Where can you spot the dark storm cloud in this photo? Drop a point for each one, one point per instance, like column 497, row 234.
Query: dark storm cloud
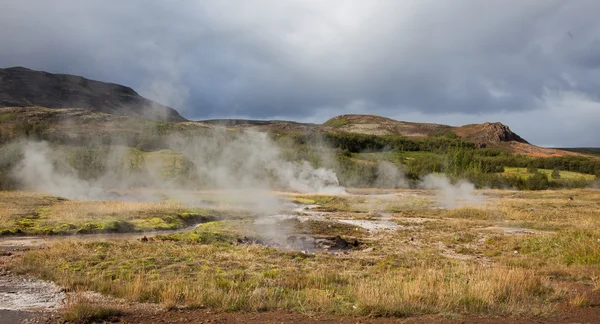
column 305, row 59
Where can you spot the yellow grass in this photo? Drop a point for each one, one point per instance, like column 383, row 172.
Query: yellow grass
column 37, row 214
column 254, row 278
column 518, row 253
column 19, row 203
column 82, row 211
column 522, row 172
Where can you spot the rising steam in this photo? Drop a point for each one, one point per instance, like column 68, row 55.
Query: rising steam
column 245, row 163
column 451, row 195
column 390, row 176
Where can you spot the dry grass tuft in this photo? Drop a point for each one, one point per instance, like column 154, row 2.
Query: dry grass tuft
column 252, row 278
column 83, row 211
column 80, row 309
column 580, row 301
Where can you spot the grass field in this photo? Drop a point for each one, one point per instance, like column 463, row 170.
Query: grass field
column 27, row 213
column 522, row 172
column 516, row 253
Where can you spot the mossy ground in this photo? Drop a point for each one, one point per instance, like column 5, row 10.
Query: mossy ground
column 25, row 213
column 438, row 261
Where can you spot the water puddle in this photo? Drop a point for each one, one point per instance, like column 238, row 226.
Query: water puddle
column 17, row 243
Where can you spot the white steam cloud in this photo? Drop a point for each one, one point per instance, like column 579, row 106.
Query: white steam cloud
column 390, row 176
column 246, row 165
column 37, row 171
column 451, row 195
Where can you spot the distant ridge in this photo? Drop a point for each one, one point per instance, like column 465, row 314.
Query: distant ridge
column 250, row 122
column 22, row 87
column 583, row 150
column 486, row 133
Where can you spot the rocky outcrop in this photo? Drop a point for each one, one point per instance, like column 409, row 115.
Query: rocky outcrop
column 480, row 134
column 488, row 133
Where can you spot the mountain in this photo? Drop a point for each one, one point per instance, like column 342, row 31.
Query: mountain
column 583, row 150
column 486, row 133
column 69, row 103
column 22, row 87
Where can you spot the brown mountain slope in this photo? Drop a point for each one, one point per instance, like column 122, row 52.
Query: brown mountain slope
column 376, row 125
column 21, row 87
column 487, row 134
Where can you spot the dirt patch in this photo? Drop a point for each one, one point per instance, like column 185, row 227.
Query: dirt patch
column 24, row 300
column 23, row 294
column 371, row 225
column 516, row 230
column 322, row 243
column 589, row 315
column 13, row 317
column 8, row 244
column 308, row 243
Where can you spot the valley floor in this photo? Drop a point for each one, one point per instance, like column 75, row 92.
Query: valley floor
column 380, row 256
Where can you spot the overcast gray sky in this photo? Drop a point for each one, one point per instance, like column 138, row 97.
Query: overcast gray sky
column 533, row 65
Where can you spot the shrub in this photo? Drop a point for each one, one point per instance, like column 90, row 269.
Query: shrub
column 531, row 168
column 538, row 181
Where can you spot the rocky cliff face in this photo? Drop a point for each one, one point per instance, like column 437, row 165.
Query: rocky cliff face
column 21, row 87
column 488, row 133
column 501, row 133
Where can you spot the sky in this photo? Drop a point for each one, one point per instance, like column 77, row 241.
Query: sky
column 533, row 65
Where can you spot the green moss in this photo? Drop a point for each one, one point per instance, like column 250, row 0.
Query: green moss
column 6, row 116
column 118, row 226
column 10, row 231
column 328, row 228
column 271, row 274
column 88, row 228
column 73, row 266
column 204, row 237
column 41, row 223
column 209, row 233
column 155, row 223
column 27, row 223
